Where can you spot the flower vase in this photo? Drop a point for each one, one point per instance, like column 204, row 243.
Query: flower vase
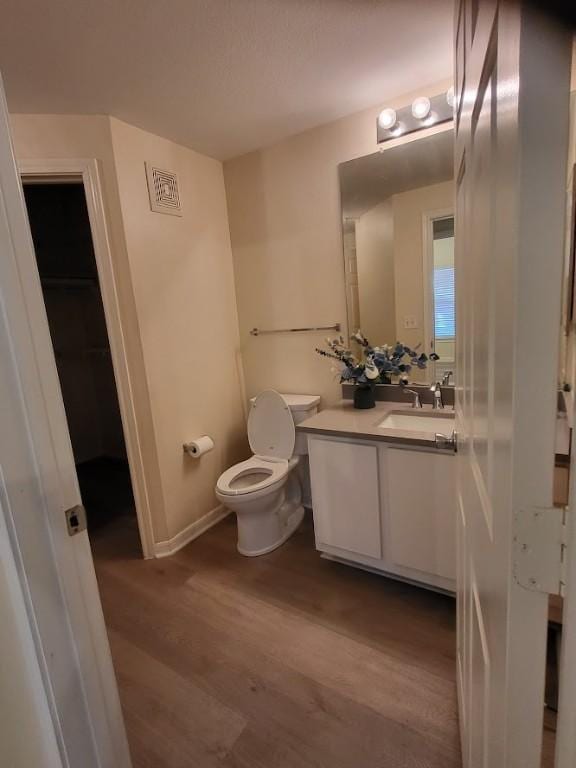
column 364, row 397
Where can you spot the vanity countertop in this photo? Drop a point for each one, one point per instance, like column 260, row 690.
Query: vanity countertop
column 343, row 420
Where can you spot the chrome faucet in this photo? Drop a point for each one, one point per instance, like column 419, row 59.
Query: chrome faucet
column 416, row 402
column 446, row 378
column 438, row 402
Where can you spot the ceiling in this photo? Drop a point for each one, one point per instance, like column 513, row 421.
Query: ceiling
column 221, row 76
column 369, row 180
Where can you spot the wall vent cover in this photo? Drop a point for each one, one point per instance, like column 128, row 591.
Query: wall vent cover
column 163, row 191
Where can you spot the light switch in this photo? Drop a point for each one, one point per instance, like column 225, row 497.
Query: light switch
column 410, row 322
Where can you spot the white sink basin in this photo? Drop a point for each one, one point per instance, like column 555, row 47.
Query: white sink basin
column 419, row 422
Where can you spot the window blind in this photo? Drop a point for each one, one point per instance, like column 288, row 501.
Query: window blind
column 444, row 312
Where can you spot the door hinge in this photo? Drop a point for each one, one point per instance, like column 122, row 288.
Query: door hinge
column 539, row 549
column 76, row 519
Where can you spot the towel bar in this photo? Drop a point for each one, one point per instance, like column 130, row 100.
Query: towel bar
column 259, row 332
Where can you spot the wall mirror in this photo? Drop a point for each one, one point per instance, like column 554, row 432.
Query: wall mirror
column 398, row 237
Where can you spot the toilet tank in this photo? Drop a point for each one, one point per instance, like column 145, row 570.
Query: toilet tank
column 302, row 407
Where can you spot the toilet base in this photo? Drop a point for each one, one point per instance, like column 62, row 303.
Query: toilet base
column 292, row 523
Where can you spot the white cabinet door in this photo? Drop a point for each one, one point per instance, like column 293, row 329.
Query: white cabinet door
column 420, row 493
column 345, row 496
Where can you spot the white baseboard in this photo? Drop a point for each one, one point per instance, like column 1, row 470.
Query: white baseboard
column 191, row 532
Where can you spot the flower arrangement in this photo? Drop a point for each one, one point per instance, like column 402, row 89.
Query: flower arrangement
column 376, row 365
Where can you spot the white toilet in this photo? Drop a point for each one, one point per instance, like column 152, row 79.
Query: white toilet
column 265, row 491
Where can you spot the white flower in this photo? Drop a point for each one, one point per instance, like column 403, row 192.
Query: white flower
column 371, row 372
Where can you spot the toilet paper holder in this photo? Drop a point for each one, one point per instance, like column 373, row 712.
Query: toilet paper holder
column 199, row 446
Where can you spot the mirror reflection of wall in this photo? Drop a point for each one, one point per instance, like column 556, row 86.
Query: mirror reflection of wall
column 398, row 238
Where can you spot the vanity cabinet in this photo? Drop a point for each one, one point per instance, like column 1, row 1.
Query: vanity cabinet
column 387, row 508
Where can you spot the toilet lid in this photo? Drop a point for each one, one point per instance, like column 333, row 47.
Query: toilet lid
column 271, row 430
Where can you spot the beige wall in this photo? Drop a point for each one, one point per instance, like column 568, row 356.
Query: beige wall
column 286, row 229
column 84, row 137
column 185, row 301
column 351, row 273
column 175, row 282
column 375, row 259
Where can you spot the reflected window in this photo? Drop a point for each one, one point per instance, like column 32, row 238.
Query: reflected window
column 443, row 298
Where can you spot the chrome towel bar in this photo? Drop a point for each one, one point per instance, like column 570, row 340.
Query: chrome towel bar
column 259, row 332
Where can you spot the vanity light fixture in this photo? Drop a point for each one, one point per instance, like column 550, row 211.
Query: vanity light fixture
column 421, row 108
column 387, row 119
column 422, row 113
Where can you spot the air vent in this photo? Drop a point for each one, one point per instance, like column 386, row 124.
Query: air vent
column 163, row 191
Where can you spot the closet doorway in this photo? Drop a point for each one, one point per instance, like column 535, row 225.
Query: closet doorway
column 68, row 270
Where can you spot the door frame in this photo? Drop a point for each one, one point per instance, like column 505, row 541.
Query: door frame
column 87, row 172
column 428, row 217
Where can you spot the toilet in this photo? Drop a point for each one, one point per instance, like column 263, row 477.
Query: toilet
column 265, row 491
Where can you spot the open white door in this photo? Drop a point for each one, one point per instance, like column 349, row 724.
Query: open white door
column 512, row 96
column 37, row 484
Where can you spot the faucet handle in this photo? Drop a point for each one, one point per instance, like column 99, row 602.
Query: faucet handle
column 416, row 403
column 438, row 402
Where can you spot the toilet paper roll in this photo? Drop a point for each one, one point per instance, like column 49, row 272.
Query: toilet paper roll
column 199, row 447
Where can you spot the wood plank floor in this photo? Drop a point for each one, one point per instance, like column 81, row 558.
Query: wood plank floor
column 281, row 661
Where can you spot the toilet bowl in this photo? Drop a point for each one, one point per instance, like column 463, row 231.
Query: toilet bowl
column 264, row 491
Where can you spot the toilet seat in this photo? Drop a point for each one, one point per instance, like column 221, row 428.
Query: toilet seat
column 271, row 430
column 271, row 434
column 275, row 471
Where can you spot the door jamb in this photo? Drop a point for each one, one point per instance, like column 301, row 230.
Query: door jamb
column 87, row 171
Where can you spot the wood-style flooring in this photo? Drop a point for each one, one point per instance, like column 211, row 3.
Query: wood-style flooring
column 280, row 661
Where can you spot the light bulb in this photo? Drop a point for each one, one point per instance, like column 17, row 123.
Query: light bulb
column 430, row 120
column 450, row 96
column 387, row 119
column 397, row 130
column 421, row 107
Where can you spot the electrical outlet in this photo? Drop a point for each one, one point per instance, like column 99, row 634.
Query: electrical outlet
column 410, row 322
